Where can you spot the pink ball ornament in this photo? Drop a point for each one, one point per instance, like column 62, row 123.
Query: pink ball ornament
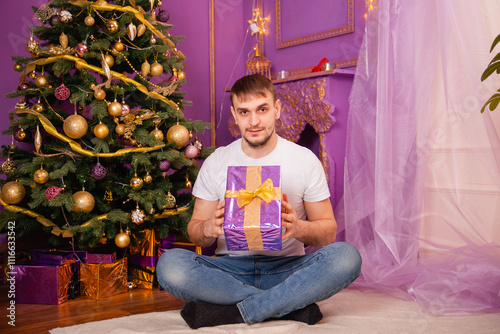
column 98, row 172
column 164, row 165
column 125, row 109
column 62, row 92
column 52, row 192
column 192, row 152
column 81, row 49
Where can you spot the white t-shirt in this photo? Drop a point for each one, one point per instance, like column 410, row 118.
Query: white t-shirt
column 302, row 179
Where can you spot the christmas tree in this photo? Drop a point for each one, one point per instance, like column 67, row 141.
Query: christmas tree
column 101, row 148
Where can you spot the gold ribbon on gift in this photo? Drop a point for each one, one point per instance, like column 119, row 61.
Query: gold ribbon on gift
column 83, row 64
column 265, row 191
column 251, row 200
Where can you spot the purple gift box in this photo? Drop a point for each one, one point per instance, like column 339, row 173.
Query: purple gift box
column 101, row 258
column 252, row 219
column 46, row 256
column 174, row 241
column 44, row 284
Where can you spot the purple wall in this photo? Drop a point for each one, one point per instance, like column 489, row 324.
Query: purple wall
column 15, row 27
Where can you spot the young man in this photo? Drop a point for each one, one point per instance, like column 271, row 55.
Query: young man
column 252, row 286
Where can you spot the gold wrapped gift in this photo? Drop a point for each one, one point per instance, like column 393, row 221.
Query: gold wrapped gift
column 143, row 258
column 102, row 279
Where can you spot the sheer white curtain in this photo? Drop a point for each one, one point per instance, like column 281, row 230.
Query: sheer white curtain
column 422, row 181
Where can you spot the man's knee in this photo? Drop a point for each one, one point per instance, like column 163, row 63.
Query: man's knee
column 345, row 256
column 171, row 267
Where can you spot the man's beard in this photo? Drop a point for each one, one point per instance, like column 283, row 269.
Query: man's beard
column 261, row 143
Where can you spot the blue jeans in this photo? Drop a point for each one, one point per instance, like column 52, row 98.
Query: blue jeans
column 262, row 287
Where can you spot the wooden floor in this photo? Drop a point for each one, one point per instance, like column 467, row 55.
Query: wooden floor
column 35, row 318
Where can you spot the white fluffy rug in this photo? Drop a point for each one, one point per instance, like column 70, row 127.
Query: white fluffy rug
column 350, row 311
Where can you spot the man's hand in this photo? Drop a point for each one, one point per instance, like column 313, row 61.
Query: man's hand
column 213, row 227
column 318, row 230
column 294, row 227
column 206, row 222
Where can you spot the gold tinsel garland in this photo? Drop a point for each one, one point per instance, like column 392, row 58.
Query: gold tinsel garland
column 67, row 233
column 50, row 128
column 83, row 64
column 127, row 9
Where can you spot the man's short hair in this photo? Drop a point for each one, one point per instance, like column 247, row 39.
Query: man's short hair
column 252, row 85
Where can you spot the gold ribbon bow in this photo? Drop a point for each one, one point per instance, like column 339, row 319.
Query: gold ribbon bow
column 265, row 191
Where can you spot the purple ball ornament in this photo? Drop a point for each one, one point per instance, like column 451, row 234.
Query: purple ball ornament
column 163, row 16
column 98, row 172
column 54, row 19
column 163, row 165
column 192, row 152
column 52, row 192
column 23, row 86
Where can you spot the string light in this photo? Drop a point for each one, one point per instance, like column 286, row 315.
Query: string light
column 369, row 6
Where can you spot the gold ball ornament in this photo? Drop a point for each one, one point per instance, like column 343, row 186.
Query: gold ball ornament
column 21, row 135
column 84, row 201
column 119, row 46
column 75, row 126
column 170, row 201
column 113, row 26
column 18, row 67
column 179, row 135
column 152, row 39
column 100, row 94
column 42, row 81
column 13, row 192
column 122, row 239
column 101, row 130
column 157, row 134
column 38, row 107
column 147, row 178
column 92, row 86
column 188, row 184
column 41, row 176
column 159, row 4
column 156, row 69
column 33, row 75
column 8, row 166
column 181, row 75
column 109, row 60
column 120, row 129
column 136, row 183
column 115, row 108
column 89, row 20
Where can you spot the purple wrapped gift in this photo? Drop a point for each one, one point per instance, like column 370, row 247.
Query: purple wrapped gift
column 101, row 258
column 43, row 284
column 174, row 241
column 252, row 219
column 56, row 257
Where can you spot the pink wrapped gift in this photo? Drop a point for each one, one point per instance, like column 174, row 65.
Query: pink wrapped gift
column 252, row 219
